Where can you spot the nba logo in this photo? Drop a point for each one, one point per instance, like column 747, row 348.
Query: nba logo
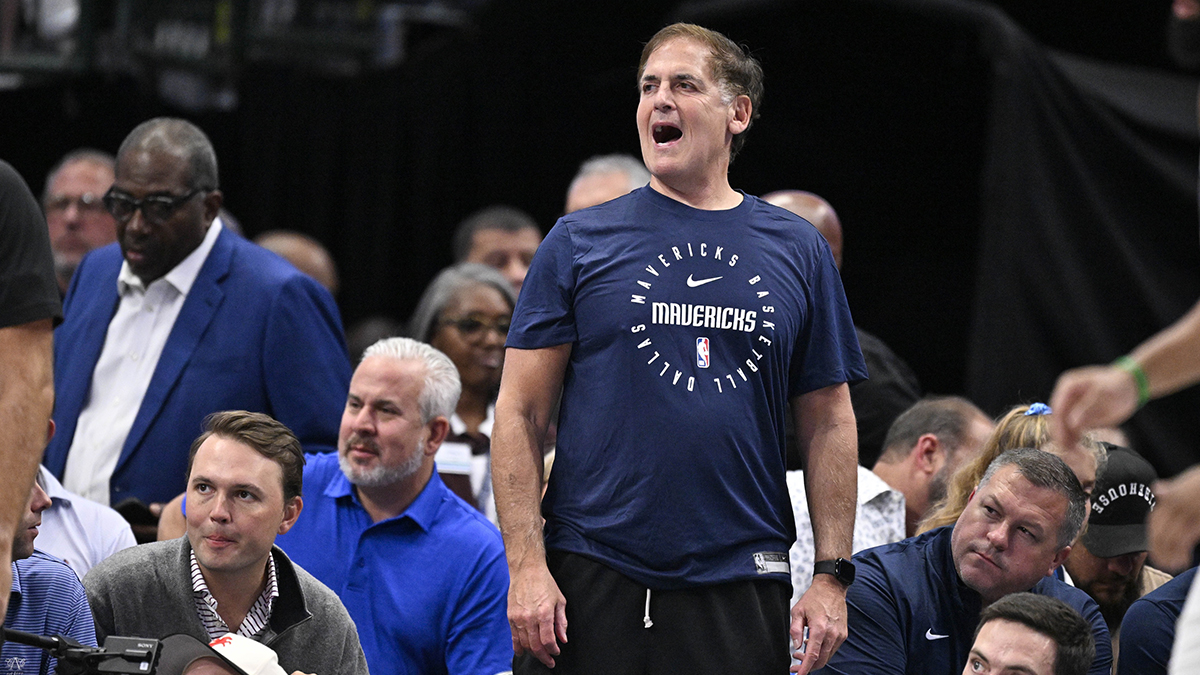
column 702, row 359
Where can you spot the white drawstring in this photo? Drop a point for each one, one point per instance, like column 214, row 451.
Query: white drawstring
column 646, row 619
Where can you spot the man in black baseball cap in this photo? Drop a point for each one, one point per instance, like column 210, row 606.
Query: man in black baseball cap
column 1108, row 561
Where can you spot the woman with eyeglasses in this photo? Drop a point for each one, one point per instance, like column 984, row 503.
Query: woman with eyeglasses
column 465, row 312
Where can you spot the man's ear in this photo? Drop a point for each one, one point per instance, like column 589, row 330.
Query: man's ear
column 212, row 204
column 49, row 431
column 291, row 511
column 742, row 110
column 1059, row 558
column 928, row 454
column 439, row 429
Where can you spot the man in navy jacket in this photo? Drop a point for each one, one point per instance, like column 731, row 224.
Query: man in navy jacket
column 181, row 318
column 914, row 605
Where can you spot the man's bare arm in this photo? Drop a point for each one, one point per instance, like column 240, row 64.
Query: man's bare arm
column 528, row 390
column 829, row 441
column 26, row 401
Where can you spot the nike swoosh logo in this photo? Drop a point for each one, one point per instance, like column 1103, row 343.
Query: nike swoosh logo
column 694, row 283
column 930, row 635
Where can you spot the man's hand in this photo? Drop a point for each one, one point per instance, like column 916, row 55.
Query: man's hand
column 1090, row 397
column 537, row 614
column 821, row 612
column 1174, row 524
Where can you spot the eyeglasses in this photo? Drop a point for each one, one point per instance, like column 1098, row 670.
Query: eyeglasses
column 472, row 327
column 156, row 209
column 87, row 202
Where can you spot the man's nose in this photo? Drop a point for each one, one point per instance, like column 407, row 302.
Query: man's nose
column 515, row 272
column 362, row 420
column 71, row 215
column 998, row 537
column 1121, row 564
column 662, row 96
column 40, row 501
column 137, row 224
column 220, row 509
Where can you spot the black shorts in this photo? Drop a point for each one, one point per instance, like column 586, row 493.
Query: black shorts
column 735, row 627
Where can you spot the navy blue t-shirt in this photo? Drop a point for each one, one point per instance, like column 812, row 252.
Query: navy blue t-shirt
column 690, row 330
column 1148, row 629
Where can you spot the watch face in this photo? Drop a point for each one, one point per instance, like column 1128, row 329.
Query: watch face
column 841, row 569
column 844, row 571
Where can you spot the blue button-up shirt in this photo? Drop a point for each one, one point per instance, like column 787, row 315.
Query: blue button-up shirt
column 427, row 589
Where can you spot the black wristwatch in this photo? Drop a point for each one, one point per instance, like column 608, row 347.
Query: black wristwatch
column 841, row 569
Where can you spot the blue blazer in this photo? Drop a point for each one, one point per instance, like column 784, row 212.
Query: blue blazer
column 253, row 334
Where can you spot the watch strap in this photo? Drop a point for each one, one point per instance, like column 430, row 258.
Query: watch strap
column 841, row 569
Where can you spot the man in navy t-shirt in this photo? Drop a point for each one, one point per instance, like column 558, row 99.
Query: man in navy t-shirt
column 917, row 601
column 679, row 321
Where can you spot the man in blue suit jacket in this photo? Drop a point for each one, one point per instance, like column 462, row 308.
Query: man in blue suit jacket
column 181, row 318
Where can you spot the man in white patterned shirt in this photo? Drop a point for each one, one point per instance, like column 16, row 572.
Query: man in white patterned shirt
column 226, row 576
column 923, row 447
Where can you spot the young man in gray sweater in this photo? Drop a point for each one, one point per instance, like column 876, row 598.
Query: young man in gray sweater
column 226, row 576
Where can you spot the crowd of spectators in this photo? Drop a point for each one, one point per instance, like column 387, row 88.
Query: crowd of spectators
column 223, row 463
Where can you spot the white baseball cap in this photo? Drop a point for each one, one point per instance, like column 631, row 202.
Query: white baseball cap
column 250, row 656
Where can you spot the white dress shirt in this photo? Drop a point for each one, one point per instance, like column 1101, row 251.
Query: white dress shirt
column 78, row 530
column 134, row 341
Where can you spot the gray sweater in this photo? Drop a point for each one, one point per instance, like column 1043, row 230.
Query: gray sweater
column 146, row 591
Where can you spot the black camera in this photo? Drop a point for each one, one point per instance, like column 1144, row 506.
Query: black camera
column 131, row 655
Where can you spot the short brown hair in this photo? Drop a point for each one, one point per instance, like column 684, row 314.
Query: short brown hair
column 738, row 73
column 265, row 434
column 1075, row 645
column 947, row 417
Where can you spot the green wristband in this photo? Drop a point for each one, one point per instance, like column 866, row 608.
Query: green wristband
column 1143, row 383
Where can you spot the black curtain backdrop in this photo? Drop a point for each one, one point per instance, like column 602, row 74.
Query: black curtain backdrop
column 1089, row 236
column 1009, row 211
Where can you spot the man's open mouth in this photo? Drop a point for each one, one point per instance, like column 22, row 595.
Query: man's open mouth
column 665, row 133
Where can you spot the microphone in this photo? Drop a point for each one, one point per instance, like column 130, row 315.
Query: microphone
column 50, row 644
